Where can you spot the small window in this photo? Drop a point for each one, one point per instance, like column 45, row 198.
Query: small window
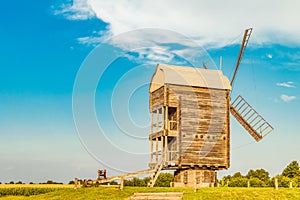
column 172, row 117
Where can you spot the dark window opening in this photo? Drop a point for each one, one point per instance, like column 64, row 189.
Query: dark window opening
column 172, row 118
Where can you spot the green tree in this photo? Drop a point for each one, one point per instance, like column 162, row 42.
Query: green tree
column 49, row 182
column 225, row 180
column 255, row 182
column 237, row 175
column 164, row 180
column 238, row 182
column 261, row 174
column 283, row 181
column 291, row 170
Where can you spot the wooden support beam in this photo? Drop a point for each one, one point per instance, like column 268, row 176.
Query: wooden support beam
column 151, row 149
column 122, row 183
column 152, row 121
column 166, row 149
column 162, row 146
column 157, row 115
column 156, row 148
column 166, row 119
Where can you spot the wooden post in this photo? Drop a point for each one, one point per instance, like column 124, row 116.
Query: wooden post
column 195, row 181
column 276, row 183
column 161, row 147
column 151, row 149
column 157, row 115
column 179, row 131
column 156, row 140
column 291, row 184
column 99, row 174
column 166, row 149
column 152, row 121
column 166, row 119
column 248, row 184
column 163, row 118
column 122, row 183
column 76, row 182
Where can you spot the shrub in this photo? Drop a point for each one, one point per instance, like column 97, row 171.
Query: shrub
column 255, row 182
column 164, row 180
column 283, row 181
column 238, row 182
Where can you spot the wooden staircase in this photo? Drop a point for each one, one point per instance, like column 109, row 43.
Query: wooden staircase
column 157, row 169
column 255, row 124
column 157, row 196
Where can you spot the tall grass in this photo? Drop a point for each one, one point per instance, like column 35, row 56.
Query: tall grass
column 29, row 189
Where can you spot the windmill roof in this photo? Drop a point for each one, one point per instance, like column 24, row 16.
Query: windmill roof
column 188, row 76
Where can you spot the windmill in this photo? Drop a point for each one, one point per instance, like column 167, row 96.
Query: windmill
column 190, row 122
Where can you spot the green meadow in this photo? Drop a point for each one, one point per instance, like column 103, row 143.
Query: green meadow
column 43, row 192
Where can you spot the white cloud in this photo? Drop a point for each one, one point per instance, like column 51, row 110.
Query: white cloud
column 210, row 23
column 287, row 98
column 76, row 10
column 289, row 84
column 207, row 21
column 270, row 56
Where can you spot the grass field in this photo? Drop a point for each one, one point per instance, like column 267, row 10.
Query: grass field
column 112, row 193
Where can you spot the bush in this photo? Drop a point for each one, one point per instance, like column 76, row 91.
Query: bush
column 137, row 182
column 283, row 181
column 296, row 181
column 71, row 182
column 238, row 182
column 225, row 181
column 164, row 180
column 255, row 182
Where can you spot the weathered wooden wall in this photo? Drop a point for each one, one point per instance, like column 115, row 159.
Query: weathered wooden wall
column 204, row 120
column 204, row 136
column 156, row 99
column 194, row 178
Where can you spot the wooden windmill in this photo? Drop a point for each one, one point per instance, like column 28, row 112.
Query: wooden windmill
column 190, row 131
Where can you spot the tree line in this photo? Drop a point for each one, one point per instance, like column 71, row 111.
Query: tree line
column 256, row 178
column 261, row 178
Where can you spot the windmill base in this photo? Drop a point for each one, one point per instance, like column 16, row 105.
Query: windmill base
column 194, row 178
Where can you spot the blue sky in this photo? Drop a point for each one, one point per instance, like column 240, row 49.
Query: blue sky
column 44, row 45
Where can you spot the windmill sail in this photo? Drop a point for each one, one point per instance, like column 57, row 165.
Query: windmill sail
column 255, row 124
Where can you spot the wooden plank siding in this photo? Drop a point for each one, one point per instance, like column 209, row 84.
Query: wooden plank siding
column 204, row 125
column 204, row 135
column 156, row 99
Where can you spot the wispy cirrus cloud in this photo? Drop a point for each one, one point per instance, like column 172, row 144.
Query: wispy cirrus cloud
column 287, row 98
column 288, row 84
